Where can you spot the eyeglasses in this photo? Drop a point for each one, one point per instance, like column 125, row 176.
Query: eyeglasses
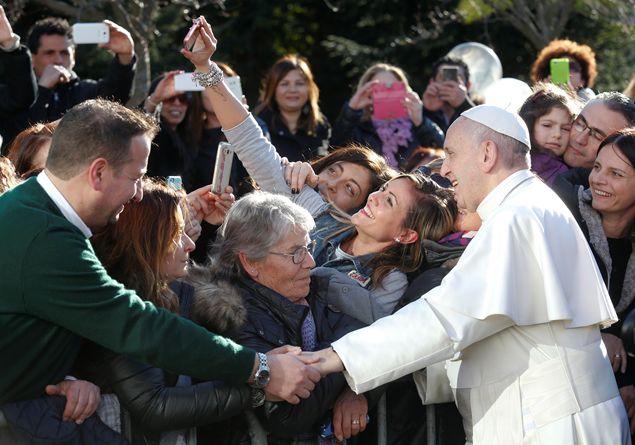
column 580, row 125
column 299, row 254
column 183, row 98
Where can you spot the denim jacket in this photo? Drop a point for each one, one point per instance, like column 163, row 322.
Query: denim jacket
column 326, row 246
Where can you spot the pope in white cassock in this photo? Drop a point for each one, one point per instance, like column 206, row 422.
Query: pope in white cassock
column 518, row 318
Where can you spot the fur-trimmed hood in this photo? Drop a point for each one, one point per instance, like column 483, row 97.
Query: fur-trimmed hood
column 218, row 305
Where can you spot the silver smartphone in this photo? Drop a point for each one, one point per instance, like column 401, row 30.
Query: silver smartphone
column 222, row 167
column 184, row 82
column 91, row 33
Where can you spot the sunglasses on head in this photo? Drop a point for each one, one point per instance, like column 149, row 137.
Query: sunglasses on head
column 441, row 181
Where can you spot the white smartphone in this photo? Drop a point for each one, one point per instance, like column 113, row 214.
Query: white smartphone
column 233, row 83
column 91, row 33
column 222, row 167
column 184, row 82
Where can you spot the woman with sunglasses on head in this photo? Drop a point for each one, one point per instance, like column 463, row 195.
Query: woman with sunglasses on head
column 376, row 246
column 176, row 145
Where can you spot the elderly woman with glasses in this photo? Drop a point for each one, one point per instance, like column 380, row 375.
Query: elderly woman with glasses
column 265, row 250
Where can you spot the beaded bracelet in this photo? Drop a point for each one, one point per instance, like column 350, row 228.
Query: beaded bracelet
column 207, row 80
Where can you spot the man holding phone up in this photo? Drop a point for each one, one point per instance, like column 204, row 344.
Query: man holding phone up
column 446, row 96
column 59, row 87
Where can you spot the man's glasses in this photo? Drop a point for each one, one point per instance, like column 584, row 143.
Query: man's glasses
column 580, row 125
column 299, row 254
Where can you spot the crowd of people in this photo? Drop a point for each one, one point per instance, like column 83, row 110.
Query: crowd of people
column 433, row 251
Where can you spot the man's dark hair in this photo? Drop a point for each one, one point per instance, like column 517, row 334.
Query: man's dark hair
column 94, row 129
column 451, row 61
column 619, row 103
column 46, row 27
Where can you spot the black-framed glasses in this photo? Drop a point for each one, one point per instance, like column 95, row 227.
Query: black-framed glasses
column 581, row 125
column 299, row 254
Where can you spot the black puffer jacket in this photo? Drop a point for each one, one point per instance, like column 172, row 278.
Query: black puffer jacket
column 148, row 393
column 273, row 321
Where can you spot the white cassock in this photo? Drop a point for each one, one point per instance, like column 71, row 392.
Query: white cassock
column 519, row 316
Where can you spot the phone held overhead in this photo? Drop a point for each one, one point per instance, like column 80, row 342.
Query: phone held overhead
column 85, row 33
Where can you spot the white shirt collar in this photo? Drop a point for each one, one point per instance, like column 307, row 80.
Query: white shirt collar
column 69, row 213
column 494, row 198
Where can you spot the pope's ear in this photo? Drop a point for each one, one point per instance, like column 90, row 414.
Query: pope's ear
column 96, row 172
column 488, row 156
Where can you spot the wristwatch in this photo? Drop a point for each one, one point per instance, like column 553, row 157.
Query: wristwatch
column 262, row 376
column 257, row 397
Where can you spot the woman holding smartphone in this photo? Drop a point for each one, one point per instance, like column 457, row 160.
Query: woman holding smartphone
column 360, row 122
column 380, row 243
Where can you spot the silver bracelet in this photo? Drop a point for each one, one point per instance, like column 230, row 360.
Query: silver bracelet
column 210, row 79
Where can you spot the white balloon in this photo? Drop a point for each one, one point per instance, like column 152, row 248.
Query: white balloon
column 507, row 93
column 485, row 66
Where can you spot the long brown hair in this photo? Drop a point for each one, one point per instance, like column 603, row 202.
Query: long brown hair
column 431, row 215
column 26, row 145
column 133, row 249
column 380, row 171
column 308, row 121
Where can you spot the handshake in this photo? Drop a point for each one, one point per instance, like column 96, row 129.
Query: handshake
column 293, row 373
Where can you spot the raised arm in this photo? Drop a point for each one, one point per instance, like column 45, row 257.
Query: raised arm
column 259, row 157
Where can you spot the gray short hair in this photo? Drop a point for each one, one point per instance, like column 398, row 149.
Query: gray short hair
column 514, row 152
column 253, row 225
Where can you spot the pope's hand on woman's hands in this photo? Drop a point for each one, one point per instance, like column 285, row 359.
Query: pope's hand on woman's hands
column 299, row 174
column 615, row 351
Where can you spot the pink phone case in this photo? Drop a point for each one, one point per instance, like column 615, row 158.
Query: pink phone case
column 387, row 101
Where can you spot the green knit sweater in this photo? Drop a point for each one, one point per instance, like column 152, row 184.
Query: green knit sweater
column 54, row 291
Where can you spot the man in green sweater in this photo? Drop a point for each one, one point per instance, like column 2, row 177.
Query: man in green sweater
column 54, row 291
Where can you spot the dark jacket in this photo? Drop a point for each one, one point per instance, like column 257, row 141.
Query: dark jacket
column 349, row 128
column 18, row 86
column 149, row 394
column 438, row 117
column 273, row 321
column 578, row 200
column 301, row 146
column 51, row 104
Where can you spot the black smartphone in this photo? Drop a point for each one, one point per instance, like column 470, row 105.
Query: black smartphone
column 450, row 73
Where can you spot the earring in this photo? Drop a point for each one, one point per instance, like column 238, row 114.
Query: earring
column 397, row 240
